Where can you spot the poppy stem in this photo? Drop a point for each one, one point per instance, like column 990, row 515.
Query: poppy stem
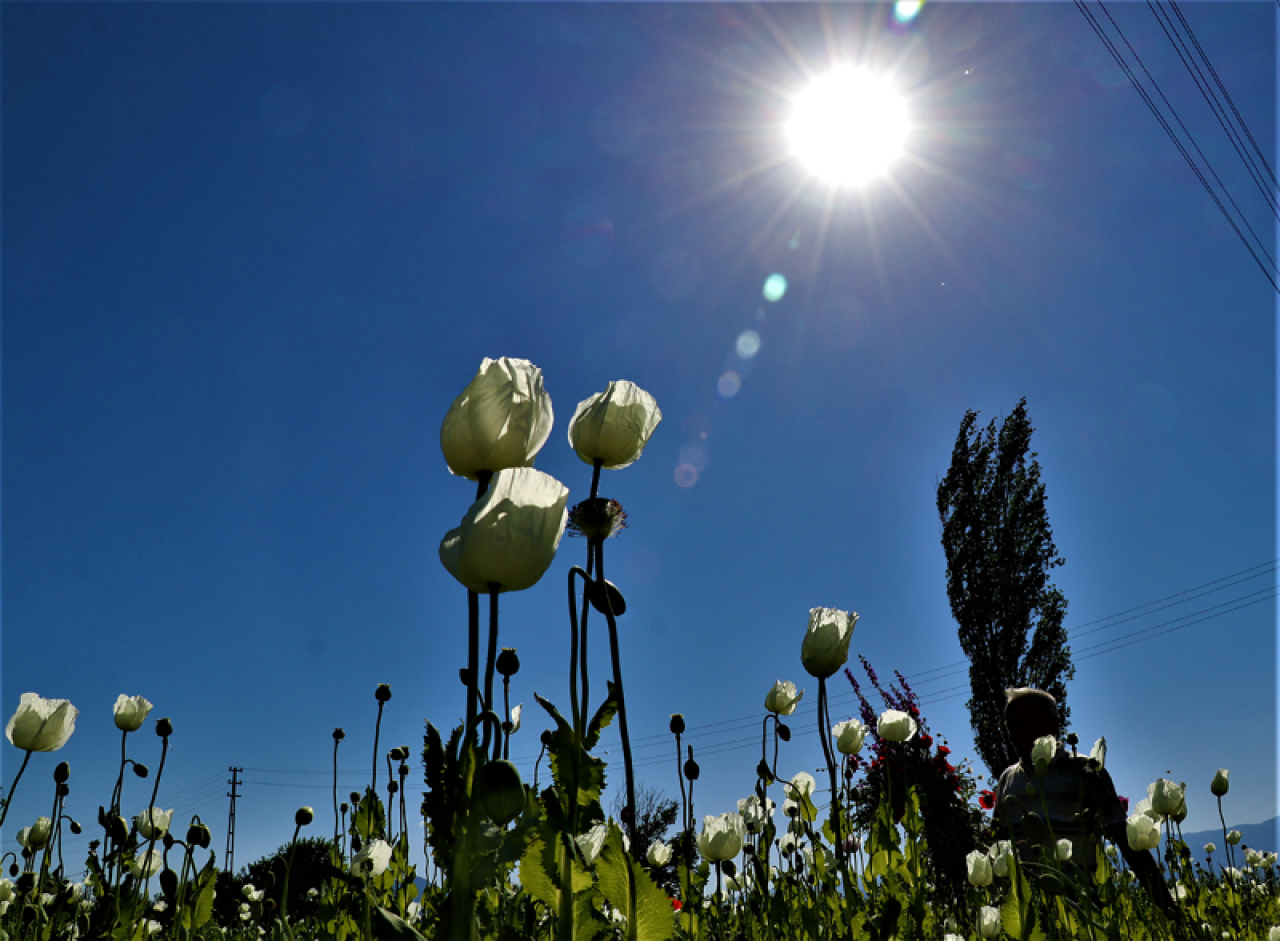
column 473, row 659
column 506, row 711
column 595, row 476
column 492, row 657
column 573, row 651
column 617, row 686
column 8, row 798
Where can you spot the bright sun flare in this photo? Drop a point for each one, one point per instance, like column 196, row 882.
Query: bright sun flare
column 848, row 126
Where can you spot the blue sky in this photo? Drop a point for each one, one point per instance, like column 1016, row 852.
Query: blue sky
column 252, row 252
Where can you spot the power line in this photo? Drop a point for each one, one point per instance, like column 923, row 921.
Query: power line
column 1223, row 89
column 1142, row 92
column 1219, row 111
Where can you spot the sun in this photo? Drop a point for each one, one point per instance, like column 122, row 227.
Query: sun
column 848, row 126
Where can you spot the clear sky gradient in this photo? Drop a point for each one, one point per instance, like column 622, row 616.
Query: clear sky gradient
column 252, row 252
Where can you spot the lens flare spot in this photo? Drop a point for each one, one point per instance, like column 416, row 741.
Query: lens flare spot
column 686, row 475
column 728, row 385
column 748, row 344
column 696, row 454
column 904, row 11
column 774, row 287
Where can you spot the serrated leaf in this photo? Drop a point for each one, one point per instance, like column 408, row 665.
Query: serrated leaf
column 590, row 921
column 391, row 927
column 603, row 717
column 537, row 881
column 526, row 829
column 1010, row 917
column 627, row 887
column 201, row 907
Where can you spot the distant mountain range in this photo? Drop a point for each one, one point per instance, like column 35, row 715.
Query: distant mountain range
column 1264, row 837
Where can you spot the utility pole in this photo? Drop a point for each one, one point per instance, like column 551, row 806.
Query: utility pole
column 229, row 866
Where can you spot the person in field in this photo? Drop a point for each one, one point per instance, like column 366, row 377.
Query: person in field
column 1073, row 798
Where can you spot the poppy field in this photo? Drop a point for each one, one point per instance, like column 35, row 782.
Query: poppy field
column 895, row 842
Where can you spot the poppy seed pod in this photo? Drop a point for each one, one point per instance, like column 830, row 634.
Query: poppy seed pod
column 339, row 735
column 62, row 772
column 382, row 693
column 304, row 816
column 677, row 723
column 508, row 664
column 164, row 728
column 501, row 420
column 344, row 807
column 597, row 518
column 354, row 797
column 691, row 770
column 500, row 791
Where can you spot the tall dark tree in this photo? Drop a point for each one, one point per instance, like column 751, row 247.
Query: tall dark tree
column 999, row 548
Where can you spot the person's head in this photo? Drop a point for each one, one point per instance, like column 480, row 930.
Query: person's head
column 1028, row 715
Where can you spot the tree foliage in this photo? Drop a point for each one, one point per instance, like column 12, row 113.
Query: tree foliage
column 655, row 815
column 999, row 549
column 312, row 868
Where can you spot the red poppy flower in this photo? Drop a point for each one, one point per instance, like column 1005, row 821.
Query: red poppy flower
column 675, row 904
column 943, row 750
column 986, row 799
